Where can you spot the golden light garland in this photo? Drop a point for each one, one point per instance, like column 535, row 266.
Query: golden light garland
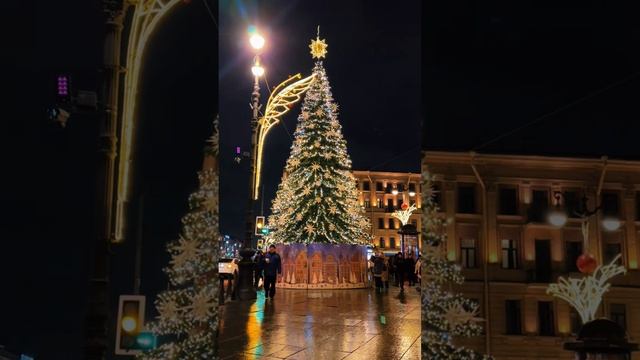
column 585, row 294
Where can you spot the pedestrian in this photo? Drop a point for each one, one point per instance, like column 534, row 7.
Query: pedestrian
column 400, row 270
column 385, row 273
column 378, row 269
column 418, row 272
column 410, row 266
column 258, row 270
column 272, row 268
column 392, row 269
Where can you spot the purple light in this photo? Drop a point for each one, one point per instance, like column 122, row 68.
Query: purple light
column 237, row 149
column 63, row 88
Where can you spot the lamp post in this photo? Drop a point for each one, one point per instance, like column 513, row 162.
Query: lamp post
column 558, row 218
column 246, row 265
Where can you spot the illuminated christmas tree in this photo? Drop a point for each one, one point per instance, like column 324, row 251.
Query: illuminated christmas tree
column 317, row 200
column 188, row 316
column 445, row 314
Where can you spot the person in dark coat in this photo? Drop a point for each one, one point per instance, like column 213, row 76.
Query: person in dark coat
column 410, row 265
column 272, row 268
column 401, row 269
column 258, row 259
column 378, row 269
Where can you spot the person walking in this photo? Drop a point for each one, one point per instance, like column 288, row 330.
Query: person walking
column 378, row 269
column 400, row 270
column 272, row 268
column 392, row 269
column 418, row 272
column 385, row 273
column 410, row 268
column 258, row 259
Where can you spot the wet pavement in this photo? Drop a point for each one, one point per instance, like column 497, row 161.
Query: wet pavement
column 323, row 324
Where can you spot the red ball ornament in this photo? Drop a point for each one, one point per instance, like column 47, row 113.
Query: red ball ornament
column 404, row 206
column 587, row 264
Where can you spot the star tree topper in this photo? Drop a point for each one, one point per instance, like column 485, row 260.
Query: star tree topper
column 318, row 47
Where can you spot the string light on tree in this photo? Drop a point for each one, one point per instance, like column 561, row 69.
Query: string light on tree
column 187, row 311
column 445, row 314
column 317, row 200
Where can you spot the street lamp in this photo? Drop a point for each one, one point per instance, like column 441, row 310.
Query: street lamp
column 558, row 216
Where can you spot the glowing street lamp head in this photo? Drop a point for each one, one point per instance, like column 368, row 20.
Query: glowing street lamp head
column 557, row 218
column 257, row 41
column 611, row 224
column 257, row 70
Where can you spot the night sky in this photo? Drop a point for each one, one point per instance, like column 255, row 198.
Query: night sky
column 373, row 65
column 493, row 66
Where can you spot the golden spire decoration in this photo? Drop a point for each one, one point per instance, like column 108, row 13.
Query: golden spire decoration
column 318, row 47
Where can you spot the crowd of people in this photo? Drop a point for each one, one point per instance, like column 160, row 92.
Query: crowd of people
column 400, row 268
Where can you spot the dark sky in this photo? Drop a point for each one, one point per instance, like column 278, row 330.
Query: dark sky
column 46, row 253
column 493, row 66
column 373, row 65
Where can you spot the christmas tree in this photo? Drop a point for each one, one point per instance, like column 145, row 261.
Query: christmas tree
column 445, row 314
column 317, row 200
column 188, row 316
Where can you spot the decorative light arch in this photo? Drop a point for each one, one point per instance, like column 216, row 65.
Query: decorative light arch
column 146, row 16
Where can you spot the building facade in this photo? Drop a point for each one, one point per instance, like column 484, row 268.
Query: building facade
column 382, row 193
column 496, row 207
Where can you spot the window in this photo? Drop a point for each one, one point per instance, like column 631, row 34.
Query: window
column 412, row 187
column 539, row 205
column 412, row 202
column 366, row 185
column 638, row 205
column 378, row 186
column 618, row 314
column 572, row 203
column 388, row 188
column 379, row 202
column 509, row 254
column 546, row 322
column 400, row 187
column 400, row 203
column 389, row 204
column 367, row 204
column 575, row 322
column 437, row 195
column 414, row 223
column 468, row 253
column 380, row 223
column 391, row 223
column 508, row 198
column 513, row 317
column 573, row 250
column 392, row 242
column 382, row 244
column 466, row 199
column 611, row 250
column 610, row 204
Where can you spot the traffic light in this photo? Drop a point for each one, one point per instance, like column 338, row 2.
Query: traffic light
column 259, row 225
column 130, row 324
column 265, row 230
column 146, row 340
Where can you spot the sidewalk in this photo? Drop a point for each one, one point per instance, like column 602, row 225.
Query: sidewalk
column 323, row 324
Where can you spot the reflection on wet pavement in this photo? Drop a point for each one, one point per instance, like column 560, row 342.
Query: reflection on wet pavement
column 323, row 324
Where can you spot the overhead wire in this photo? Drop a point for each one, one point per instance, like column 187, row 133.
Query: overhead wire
column 558, row 110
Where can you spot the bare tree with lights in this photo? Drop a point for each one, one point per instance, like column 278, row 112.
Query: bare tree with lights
column 445, row 314
column 188, row 310
column 317, row 200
